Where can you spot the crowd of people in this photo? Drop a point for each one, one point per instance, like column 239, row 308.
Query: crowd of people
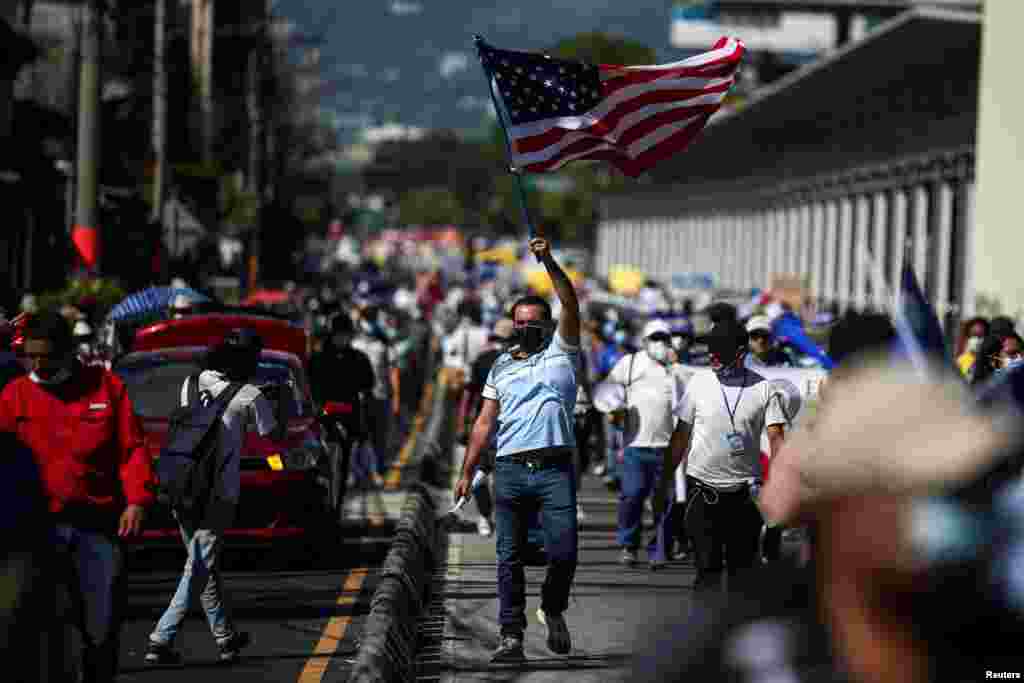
column 675, row 410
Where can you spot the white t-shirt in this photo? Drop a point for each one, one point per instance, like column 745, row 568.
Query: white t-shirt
column 380, row 359
column 702, row 405
column 248, row 411
column 463, row 346
column 649, row 396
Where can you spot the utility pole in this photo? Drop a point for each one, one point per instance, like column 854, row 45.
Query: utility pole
column 202, row 61
column 86, row 232
column 159, row 111
column 256, row 138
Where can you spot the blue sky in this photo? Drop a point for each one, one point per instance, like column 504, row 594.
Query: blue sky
column 412, row 61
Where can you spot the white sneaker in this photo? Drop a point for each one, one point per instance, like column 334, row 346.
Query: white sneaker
column 581, row 516
column 483, row 527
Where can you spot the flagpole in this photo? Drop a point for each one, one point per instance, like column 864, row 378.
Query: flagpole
column 521, row 189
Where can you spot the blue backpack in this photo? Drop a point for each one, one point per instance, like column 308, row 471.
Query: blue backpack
column 187, row 467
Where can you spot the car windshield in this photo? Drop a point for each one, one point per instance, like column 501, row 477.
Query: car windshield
column 154, row 383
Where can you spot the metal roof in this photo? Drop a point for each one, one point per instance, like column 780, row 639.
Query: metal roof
column 909, row 88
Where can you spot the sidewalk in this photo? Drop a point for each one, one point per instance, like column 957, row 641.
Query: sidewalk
column 610, row 604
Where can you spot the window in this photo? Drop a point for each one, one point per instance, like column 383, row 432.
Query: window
column 154, row 384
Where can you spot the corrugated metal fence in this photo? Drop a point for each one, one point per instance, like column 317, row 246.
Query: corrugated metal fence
column 832, row 230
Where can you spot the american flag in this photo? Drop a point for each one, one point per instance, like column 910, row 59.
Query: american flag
column 632, row 116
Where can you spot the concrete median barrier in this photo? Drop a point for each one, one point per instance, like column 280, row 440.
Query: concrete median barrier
column 387, row 648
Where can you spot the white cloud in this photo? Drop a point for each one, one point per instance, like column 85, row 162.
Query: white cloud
column 403, row 8
column 390, row 75
column 392, row 131
column 453, row 63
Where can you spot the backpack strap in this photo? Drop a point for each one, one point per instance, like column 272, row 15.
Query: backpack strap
column 192, row 391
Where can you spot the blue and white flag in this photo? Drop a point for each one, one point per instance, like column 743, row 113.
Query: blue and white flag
column 918, row 330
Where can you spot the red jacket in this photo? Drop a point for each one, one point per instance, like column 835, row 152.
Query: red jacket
column 86, row 439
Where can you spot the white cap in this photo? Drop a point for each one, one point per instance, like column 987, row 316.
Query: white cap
column 759, row 323
column 655, row 326
column 29, row 304
column 181, row 302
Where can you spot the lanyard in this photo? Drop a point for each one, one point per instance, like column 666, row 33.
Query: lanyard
column 736, row 406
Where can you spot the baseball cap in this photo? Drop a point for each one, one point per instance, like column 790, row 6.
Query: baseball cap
column 759, row 323
column 657, row 326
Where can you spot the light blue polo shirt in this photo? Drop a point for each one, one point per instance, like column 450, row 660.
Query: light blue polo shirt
column 536, row 397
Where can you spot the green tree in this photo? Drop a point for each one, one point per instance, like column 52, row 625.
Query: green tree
column 431, row 206
column 601, row 48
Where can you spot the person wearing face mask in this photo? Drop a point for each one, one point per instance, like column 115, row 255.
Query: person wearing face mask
column 340, row 373
column 529, row 397
column 1010, row 355
column 617, row 335
column 722, row 413
column 383, row 406
column 98, row 478
column 497, row 344
column 763, row 351
column 682, row 342
column 975, row 331
column 648, row 423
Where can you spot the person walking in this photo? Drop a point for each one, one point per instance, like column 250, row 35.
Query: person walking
column 472, row 399
column 87, row 442
column 648, row 381
column 383, row 405
column 345, row 401
column 763, row 350
column 722, row 413
column 529, row 396
column 231, row 363
column 972, row 337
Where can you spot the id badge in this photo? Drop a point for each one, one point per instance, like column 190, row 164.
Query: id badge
column 737, row 444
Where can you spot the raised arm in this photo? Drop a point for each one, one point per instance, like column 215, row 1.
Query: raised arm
column 569, row 320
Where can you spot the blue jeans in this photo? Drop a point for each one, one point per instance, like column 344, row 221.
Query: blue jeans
column 641, row 472
column 613, row 443
column 205, row 547
column 519, row 492
column 93, row 563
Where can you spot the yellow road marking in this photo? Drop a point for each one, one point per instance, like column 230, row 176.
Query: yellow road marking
column 334, row 631
column 394, row 478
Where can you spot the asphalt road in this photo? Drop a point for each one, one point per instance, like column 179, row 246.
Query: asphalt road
column 610, row 607
column 303, row 611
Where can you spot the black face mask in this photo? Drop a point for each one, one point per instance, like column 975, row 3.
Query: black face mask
column 530, row 338
column 729, row 355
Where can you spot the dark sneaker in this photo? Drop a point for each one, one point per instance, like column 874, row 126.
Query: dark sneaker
column 231, row 648
column 510, row 650
column 628, row 557
column 159, row 654
column 559, row 638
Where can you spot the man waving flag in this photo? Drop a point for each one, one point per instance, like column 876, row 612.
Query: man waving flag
column 558, row 111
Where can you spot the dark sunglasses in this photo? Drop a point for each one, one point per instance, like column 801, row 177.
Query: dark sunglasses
column 660, row 337
column 760, row 335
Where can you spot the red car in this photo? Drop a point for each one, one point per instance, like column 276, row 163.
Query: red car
column 289, row 488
